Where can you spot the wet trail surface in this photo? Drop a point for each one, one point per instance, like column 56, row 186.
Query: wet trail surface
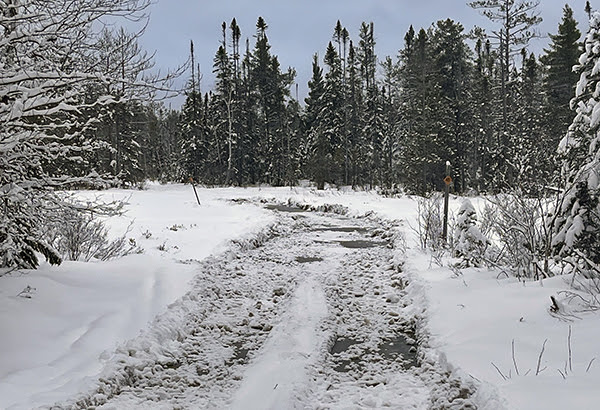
column 311, row 315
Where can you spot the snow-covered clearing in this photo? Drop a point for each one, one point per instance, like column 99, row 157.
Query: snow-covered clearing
column 295, row 313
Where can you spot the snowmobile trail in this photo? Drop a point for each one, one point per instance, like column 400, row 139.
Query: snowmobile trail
column 312, row 315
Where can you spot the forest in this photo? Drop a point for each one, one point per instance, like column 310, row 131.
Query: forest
column 80, row 109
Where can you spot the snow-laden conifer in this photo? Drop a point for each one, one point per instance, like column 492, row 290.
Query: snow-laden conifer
column 470, row 243
column 577, row 228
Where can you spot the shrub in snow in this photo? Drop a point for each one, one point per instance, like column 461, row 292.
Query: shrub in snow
column 80, row 237
column 469, row 243
column 430, row 219
column 520, row 229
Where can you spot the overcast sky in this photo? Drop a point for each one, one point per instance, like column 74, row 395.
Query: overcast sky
column 298, row 29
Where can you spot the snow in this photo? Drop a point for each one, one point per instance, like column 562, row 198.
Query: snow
column 79, row 312
column 271, row 381
column 60, row 336
column 476, row 326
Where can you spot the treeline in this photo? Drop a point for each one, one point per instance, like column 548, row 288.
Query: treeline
column 78, row 109
column 480, row 101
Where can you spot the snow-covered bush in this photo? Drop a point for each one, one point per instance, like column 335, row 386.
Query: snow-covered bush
column 469, row 243
column 520, row 231
column 81, row 237
column 430, row 221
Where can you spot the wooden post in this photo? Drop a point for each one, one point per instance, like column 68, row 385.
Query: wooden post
column 194, row 186
column 448, row 181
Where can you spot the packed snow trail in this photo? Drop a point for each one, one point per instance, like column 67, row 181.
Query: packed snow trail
column 280, row 367
column 311, row 314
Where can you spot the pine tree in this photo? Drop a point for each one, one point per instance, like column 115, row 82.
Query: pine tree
column 560, row 80
column 317, row 147
column 577, row 227
column 517, row 20
column 452, row 60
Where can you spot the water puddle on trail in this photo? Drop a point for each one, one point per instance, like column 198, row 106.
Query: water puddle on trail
column 347, row 229
column 338, row 350
column 284, row 208
column 240, row 354
column 399, row 347
column 361, row 244
column 341, row 345
column 308, row 259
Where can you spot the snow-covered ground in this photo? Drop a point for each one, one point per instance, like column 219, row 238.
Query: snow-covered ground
column 60, row 336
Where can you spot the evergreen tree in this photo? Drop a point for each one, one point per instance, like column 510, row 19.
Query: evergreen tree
column 423, row 152
column 560, row 81
column 531, row 158
column 588, row 9
column 332, row 118
column 486, row 117
column 452, row 59
column 225, row 102
column 517, row 20
column 354, row 106
column 272, row 88
column 194, row 139
column 469, row 242
column 317, row 147
column 391, row 113
column 577, row 227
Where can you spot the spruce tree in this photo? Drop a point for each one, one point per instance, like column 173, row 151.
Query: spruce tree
column 452, row 61
column 272, row 88
column 354, row 107
column 316, row 146
column 391, row 112
column 423, row 152
column 577, row 227
column 531, row 158
column 225, row 102
column 516, row 20
column 560, row 81
column 194, row 139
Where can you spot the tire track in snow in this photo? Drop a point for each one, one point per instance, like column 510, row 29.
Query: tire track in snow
column 272, row 381
column 257, row 329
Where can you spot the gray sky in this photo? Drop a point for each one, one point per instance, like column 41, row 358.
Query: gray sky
column 298, row 29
